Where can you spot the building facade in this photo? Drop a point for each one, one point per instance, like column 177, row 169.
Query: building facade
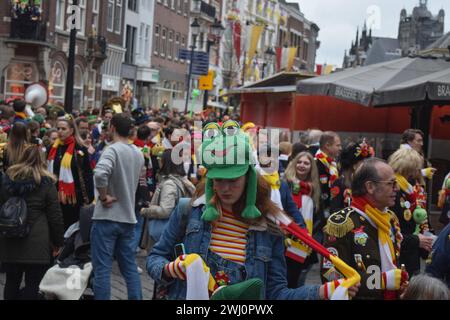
column 300, row 33
column 36, row 49
column 136, row 69
column 170, row 34
column 357, row 55
column 419, row 30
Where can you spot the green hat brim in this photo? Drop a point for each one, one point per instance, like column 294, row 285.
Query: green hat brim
column 227, row 172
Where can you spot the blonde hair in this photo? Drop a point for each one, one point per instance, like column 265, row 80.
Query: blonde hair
column 406, row 162
column 18, row 140
column 313, row 176
column 30, row 165
column 285, row 147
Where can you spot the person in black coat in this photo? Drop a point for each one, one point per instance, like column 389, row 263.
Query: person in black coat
column 411, row 197
column 69, row 148
column 31, row 256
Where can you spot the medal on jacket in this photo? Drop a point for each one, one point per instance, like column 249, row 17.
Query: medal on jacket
column 359, row 262
column 407, row 213
column 360, row 236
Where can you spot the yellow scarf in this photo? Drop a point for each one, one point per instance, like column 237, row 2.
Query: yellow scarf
column 273, row 179
column 382, row 220
column 404, row 184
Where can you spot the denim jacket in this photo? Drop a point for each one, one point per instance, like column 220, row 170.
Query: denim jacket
column 264, row 257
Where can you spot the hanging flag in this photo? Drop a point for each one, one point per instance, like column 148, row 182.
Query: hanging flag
column 291, row 52
column 286, row 58
column 237, row 40
column 279, row 52
column 255, row 34
column 319, row 69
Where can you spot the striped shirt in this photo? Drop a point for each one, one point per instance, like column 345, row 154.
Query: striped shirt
column 229, row 238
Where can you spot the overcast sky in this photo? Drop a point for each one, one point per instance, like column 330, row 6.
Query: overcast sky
column 338, row 20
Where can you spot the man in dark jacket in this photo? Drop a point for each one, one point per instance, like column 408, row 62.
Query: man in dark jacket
column 439, row 266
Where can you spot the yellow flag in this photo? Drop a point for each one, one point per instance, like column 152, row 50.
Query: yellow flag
column 291, row 56
column 255, row 34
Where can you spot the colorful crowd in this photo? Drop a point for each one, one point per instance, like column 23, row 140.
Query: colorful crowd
column 243, row 215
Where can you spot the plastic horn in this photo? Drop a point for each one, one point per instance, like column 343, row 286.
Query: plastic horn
column 351, row 276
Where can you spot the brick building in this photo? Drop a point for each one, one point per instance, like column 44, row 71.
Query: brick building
column 170, row 33
column 37, row 50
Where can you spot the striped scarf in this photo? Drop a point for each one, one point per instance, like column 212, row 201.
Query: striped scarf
column 330, row 166
column 416, row 195
column 382, row 220
column 301, row 194
column 66, row 185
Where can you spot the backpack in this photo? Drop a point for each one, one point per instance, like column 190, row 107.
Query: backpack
column 13, row 218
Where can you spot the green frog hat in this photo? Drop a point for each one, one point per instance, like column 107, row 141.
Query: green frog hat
column 226, row 154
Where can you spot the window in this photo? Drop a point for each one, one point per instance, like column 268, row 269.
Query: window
column 177, row 46
column 118, row 17
column 82, row 5
column 156, row 39
column 56, row 83
column 110, row 25
column 60, row 14
column 163, row 42
column 130, row 44
column 91, row 88
column 133, row 5
column 95, row 11
column 305, row 51
column 147, row 43
column 173, row 4
column 170, row 47
column 18, row 76
column 140, row 43
column 183, row 45
column 186, row 8
column 180, row 6
column 78, row 89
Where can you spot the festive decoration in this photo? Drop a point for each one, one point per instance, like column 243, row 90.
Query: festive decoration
column 226, row 155
column 352, row 277
column 420, row 217
column 330, row 166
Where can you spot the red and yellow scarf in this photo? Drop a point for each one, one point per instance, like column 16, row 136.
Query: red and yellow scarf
column 330, row 166
column 66, row 185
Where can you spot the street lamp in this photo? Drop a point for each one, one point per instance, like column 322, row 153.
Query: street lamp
column 195, row 29
column 217, row 31
column 68, row 99
column 268, row 55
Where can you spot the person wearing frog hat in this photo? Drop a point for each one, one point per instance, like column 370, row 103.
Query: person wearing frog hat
column 227, row 232
column 351, row 158
column 410, row 208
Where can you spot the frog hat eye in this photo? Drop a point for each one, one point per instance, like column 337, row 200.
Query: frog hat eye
column 230, row 128
column 211, row 130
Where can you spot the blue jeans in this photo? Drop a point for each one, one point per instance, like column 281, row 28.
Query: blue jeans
column 138, row 231
column 111, row 239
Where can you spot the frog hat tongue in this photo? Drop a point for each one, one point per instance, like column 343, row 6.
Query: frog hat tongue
column 226, row 155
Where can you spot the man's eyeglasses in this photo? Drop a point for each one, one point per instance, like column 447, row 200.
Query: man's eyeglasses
column 392, row 183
